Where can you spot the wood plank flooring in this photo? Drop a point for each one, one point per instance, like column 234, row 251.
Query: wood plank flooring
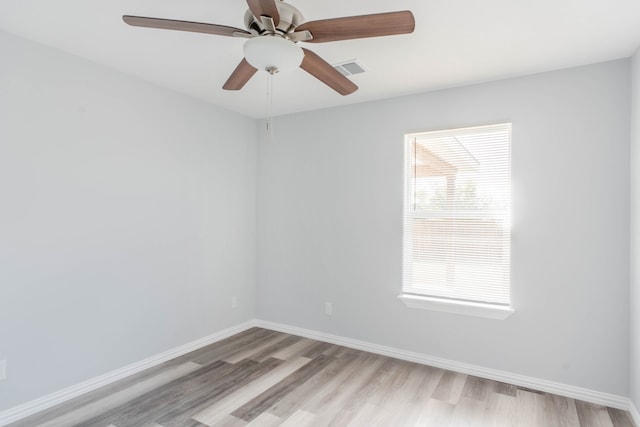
column 262, row 378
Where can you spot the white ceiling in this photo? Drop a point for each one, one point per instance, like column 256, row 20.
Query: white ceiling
column 456, row 42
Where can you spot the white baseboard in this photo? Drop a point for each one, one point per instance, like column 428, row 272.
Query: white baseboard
column 46, row 402
column 635, row 415
column 22, row 411
column 570, row 391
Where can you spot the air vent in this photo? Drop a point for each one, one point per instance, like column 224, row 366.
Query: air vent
column 349, row 68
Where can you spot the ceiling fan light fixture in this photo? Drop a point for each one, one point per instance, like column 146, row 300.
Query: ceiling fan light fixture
column 273, row 53
column 273, row 28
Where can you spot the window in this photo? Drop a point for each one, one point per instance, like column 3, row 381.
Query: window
column 457, row 220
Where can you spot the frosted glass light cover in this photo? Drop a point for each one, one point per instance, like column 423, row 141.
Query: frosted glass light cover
column 272, row 51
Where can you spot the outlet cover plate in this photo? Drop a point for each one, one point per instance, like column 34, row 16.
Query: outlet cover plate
column 328, row 308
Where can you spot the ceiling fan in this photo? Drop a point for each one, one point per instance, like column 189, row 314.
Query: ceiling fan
column 274, row 28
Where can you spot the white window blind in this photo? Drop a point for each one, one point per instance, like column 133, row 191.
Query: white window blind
column 457, row 214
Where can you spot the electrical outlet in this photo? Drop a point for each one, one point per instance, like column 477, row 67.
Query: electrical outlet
column 3, row 369
column 328, row 308
column 234, row 302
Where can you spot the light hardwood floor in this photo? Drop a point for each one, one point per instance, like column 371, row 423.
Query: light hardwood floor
column 265, row 378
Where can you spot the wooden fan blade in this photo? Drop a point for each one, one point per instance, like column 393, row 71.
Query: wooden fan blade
column 195, row 27
column 323, row 71
column 265, row 8
column 357, row 27
column 240, row 76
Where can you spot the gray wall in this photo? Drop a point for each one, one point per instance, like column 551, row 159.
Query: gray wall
column 635, row 233
column 127, row 219
column 330, row 227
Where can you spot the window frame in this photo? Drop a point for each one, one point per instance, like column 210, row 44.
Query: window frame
column 439, row 303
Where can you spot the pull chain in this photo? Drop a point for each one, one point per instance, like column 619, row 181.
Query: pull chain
column 270, row 107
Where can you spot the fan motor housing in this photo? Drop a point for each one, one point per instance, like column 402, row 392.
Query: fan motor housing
column 290, row 18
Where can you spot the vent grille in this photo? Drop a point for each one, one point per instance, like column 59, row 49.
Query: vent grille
column 349, row 68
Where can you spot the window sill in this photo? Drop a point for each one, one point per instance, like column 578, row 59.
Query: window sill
column 491, row 311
